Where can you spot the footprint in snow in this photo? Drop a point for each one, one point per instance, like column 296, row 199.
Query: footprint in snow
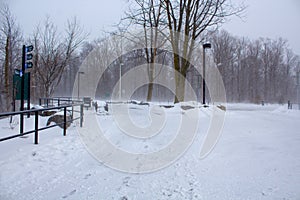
column 69, row 194
column 126, row 181
column 87, row 176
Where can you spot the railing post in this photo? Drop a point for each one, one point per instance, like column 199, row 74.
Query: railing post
column 81, row 115
column 40, row 101
column 36, row 112
column 21, row 123
column 72, row 114
column 36, row 127
column 65, row 121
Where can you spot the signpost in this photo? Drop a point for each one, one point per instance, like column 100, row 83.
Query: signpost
column 17, row 86
column 26, row 63
column 87, row 102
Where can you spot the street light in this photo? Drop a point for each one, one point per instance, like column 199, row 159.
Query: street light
column 79, row 83
column 205, row 45
column 120, row 71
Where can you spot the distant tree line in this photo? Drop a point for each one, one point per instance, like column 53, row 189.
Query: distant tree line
column 252, row 70
column 255, row 70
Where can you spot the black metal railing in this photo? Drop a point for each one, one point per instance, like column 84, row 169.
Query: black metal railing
column 57, row 101
column 36, row 113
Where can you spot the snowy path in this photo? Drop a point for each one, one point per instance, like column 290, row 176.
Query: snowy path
column 257, row 157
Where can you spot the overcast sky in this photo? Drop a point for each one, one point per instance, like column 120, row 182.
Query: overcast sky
column 269, row 18
column 263, row 18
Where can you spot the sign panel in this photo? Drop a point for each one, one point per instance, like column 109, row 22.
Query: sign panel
column 17, row 86
column 87, row 101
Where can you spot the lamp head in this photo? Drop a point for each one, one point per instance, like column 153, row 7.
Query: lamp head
column 206, row 45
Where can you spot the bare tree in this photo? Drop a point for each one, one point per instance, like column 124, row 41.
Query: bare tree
column 224, row 48
column 53, row 53
column 272, row 60
column 192, row 18
column 290, row 66
column 149, row 15
column 10, row 40
column 187, row 21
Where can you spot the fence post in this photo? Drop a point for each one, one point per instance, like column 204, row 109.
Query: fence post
column 290, row 105
column 36, row 127
column 81, row 115
column 72, row 115
column 21, row 123
column 40, row 101
column 65, row 121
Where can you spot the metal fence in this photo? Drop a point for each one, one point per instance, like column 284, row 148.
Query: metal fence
column 57, row 101
column 36, row 113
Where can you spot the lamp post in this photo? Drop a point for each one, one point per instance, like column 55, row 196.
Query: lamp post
column 120, row 75
column 79, row 83
column 205, row 45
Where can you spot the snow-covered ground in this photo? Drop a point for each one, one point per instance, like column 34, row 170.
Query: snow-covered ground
column 256, row 157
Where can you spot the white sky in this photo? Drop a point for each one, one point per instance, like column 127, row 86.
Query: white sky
column 264, row 18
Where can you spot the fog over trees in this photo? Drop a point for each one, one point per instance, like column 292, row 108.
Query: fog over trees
column 253, row 71
column 256, row 70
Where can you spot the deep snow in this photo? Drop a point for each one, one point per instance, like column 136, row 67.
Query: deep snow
column 257, row 157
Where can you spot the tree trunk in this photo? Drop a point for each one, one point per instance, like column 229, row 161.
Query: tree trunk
column 151, row 73
column 150, row 92
column 180, row 87
column 6, row 72
column 177, row 98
